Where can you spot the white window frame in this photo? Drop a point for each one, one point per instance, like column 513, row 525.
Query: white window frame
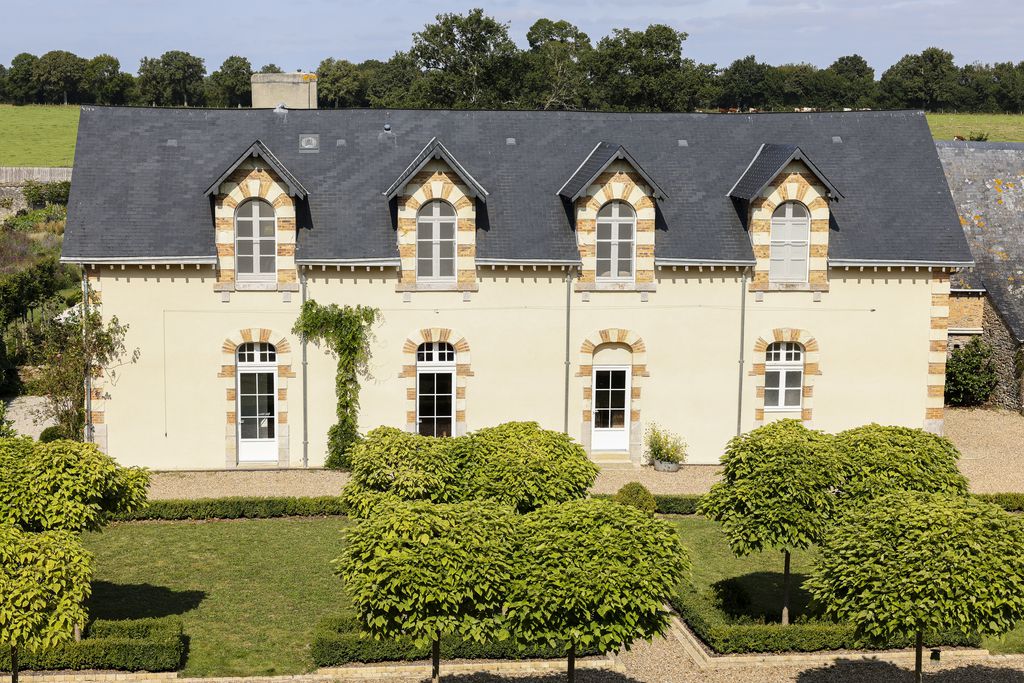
column 436, row 358
column 257, row 274
column 256, row 450
column 433, row 221
column 784, row 359
column 778, row 244
column 616, row 243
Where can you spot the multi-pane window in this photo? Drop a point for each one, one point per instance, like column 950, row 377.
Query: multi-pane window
column 255, row 241
column 616, row 230
column 257, row 392
column 435, row 241
column 783, row 376
column 435, row 389
column 790, row 237
column 610, row 390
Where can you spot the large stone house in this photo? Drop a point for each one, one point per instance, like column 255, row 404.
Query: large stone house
column 597, row 273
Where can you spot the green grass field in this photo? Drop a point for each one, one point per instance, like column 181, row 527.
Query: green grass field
column 38, row 135
column 45, row 135
column 251, row 592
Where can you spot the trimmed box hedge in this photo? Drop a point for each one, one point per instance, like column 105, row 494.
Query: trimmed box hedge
column 134, row 645
column 339, row 641
column 238, row 508
column 713, row 626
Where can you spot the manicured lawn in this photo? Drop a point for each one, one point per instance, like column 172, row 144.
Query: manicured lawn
column 250, row 592
column 1000, row 127
column 38, row 135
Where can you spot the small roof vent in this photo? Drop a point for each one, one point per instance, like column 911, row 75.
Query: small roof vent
column 510, row 141
column 341, row 142
column 682, row 143
column 172, row 142
column 837, row 140
column 280, row 108
column 387, row 127
column 309, row 142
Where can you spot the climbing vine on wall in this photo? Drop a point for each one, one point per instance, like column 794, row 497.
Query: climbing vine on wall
column 346, row 332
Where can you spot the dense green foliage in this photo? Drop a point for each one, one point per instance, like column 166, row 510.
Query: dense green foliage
column 346, row 332
column 970, row 374
column 49, row 218
column 64, row 485
column 516, row 464
column 637, row 495
column 664, row 446
column 7, row 430
column 39, row 194
column 910, row 562
column 592, row 574
column 425, row 571
column 880, row 458
column 470, row 61
column 44, row 579
column 50, row 434
column 340, row 641
column 124, row 645
column 236, row 508
column 777, row 488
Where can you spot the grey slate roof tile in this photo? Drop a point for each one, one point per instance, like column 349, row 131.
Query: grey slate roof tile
column 135, row 196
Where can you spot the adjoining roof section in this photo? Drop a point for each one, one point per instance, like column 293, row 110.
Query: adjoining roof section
column 767, row 164
column 594, row 165
column 435, row 149
column 258, row 149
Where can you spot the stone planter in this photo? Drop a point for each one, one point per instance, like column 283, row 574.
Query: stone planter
column 662, row 466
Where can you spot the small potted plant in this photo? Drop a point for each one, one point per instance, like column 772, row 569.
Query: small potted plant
column 666, row 450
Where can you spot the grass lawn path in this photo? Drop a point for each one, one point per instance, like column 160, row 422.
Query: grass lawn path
column 251, row 592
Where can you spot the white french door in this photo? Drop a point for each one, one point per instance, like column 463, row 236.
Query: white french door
column 257, row 417
column 435, row 402
column 610, row 408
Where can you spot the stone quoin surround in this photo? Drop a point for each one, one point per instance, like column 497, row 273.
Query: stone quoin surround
column 463, row 371
column 811, row 370
column 938, row 343
column 99, row 393
column 638, row 371
column 229, row 351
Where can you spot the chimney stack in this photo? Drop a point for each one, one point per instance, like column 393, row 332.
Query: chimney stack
column 295, row 90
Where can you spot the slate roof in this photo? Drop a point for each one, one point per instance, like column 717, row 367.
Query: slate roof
column 258, row 149
column 987, row 183
column 768, row 163
column 435, row 149
column 596, row 163
column 140, row 175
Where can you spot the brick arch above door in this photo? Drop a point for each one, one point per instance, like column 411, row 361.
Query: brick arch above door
column 638, row 373
column 463, row 371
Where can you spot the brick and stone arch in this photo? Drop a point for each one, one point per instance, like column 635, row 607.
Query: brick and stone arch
column 797, row 183
column 227, row 375
column 938, row 343
column 638, row 374
column 620, row 181
column 463, row 371
column 437, row 181
column 254, row 179
column 812, row 368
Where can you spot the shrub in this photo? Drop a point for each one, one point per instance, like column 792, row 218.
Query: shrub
column 970, row 374
column 521, row 465
column 636, row 494
column 682, row 504
column 6, row 426
column 877, row 459
column 664, row 446
column 389, row 464
column 238, row 508
column 47, row 219
column 1011, row 502
column 134, row 645
column 50, row 434
column 42, row 194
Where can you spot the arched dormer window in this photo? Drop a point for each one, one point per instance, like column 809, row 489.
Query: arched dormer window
column 790, row 243
column 435, row 241
column 255, row 242
column 616, row 241
column 783, row 376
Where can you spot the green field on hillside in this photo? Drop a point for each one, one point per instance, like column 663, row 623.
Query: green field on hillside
column 45, row 135
column 38, row 135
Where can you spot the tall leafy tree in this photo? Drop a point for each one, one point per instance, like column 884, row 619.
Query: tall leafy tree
column 339, row 83
column 231, row 84
column 21, row 83
column 1010, row 86
column 396, row 83
column 174, row 78
column 105, row 83
column 911, row 564
column 851, row 81
column 927, row 81
column 556, row 65
column 4, row 93
column 776, row 492
column 271, row 69
column 748, row 83
column 59, row 75
column 592, row 574
column 466, row 61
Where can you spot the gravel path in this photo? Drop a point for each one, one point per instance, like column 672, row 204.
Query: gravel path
column 257, row 483
column 991, row 443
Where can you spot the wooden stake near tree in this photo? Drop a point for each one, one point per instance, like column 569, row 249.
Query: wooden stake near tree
column 777, row 492
column 913, row 565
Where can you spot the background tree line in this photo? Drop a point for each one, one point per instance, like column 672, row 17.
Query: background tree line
column 470, row 61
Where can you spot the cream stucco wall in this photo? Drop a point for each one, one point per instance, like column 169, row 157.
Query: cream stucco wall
column 168, row 410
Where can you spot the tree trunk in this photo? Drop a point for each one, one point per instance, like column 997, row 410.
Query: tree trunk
column 570, row 670
column 14, row 664
column 435, row 661
column 917, row 658
column 78, row 633
column 785, row 591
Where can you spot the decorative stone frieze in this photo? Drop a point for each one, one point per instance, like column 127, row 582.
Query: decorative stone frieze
column 812, row 368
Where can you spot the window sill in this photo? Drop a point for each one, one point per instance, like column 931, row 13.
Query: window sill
column 437, row 287
column 615, row 286
column 789, row 287
column 797, row 410
column 255, row 286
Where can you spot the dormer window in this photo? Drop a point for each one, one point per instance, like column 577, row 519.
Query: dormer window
column 790, row 243
column 616, row 241
column 255, row 242
column 435, row 242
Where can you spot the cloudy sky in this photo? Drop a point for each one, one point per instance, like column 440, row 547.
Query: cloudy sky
column 296, row 34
